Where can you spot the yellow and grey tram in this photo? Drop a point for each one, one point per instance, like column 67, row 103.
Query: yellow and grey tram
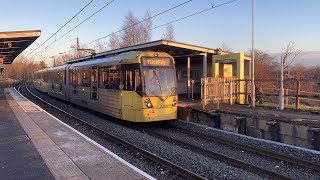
column 133, row 86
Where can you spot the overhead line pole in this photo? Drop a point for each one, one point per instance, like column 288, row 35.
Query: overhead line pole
column 253, row 96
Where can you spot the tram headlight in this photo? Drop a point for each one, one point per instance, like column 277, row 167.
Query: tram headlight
column 148, row 103
column 174, row 102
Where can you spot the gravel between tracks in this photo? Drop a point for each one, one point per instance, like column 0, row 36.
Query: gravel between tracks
column 258, row 160
column 280, row 148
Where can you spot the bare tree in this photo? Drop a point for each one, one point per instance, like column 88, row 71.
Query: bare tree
column 169, row 33
column 23, row 68
column 225, row 47
column 289, row 55
column 265, row 65
column 114, row 41
column 145, row 28
column 130, row 34
column 134, row 32
column 99, row 47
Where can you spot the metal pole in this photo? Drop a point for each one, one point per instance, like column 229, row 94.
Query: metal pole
column 253, row 97
column 230, row 92
column 188, row 75
column 281, row 91
column 192, row 81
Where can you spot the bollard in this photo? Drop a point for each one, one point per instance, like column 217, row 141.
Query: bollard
column 315, row 137
column 274, row 129
column 242, row 123
column 215, row 120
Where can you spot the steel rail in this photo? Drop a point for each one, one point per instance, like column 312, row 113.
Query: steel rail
column 218, row 156
column 258, row 151
column 174, row 167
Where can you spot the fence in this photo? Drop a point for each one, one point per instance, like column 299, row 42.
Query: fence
column 219, row 90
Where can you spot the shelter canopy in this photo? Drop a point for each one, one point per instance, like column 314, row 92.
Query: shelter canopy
column 13, row 43
column 175, row 49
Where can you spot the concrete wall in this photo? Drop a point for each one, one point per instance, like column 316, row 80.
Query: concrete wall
column 303, row 135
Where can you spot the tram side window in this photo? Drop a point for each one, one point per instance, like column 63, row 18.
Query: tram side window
column 103, row 78
column 137, row 81
column 114, row 76
column 71, row 77
column 78, row 76
column 85, row 77
column 128, row 80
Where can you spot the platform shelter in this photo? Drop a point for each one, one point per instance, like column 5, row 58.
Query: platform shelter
column 233, row 66
column 13, row 43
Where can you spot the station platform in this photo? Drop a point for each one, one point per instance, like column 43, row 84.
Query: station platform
column 36, row 145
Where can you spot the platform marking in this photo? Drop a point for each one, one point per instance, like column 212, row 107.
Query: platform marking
column 93, row 142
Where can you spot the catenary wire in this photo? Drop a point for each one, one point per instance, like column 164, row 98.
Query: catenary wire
column 75, row 27
column 61, row 27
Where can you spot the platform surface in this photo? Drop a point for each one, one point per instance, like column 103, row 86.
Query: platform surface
column 63, row 152
column 19, row 159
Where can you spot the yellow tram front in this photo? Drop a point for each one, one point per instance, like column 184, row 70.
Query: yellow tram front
column 157, row 88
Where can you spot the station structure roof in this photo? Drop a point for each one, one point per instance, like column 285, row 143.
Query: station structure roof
column 175, row 49
column 13, row 43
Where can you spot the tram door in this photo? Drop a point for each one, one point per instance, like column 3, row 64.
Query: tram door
column 94, row 83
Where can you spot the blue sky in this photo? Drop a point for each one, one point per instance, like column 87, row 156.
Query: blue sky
column 276, row 22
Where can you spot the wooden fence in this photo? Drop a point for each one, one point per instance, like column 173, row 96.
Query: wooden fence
column 219, row 90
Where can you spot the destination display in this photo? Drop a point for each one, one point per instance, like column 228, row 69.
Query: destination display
column 156, row 61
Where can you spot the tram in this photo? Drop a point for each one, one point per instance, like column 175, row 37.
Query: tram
column 133, row 86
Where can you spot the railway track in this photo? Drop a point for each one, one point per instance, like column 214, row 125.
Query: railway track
column 149, row 155
column 217, row 156
column 262, row 152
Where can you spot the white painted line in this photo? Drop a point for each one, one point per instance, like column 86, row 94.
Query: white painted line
column 93, row 142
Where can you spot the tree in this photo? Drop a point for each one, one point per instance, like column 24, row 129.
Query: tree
column 42, row 65
column 100, row 47
column 289, row 55
column 169, row 33
column 265, row 65
column 145, row 28
column 133, row 32
column 225, row 47
column 114, row 41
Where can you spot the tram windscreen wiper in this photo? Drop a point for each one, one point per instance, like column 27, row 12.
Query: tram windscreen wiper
column 157, row 79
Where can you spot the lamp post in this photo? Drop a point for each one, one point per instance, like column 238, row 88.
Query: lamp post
column 253, row 98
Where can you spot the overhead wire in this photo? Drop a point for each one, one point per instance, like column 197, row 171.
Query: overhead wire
column 61, row 27
column 174, row 21
column 140, row 21
column 75, row 27
column 174, row 7
column 185, row 17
